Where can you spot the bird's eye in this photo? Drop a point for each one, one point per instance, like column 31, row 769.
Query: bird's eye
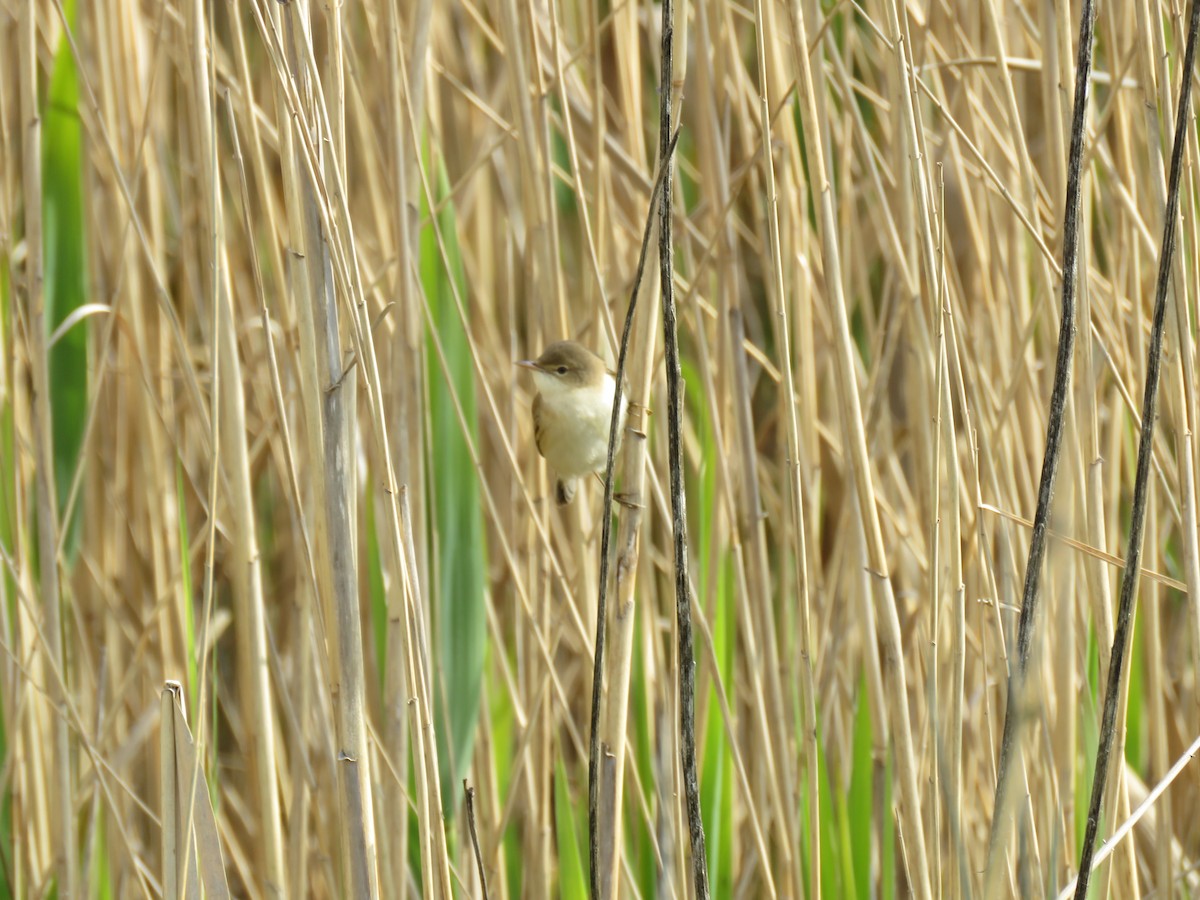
column 562, row 370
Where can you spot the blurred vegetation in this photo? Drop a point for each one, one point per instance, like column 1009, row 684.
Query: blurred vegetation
column 471, row 179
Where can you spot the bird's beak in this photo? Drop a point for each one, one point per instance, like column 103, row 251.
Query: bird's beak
column 527, row 364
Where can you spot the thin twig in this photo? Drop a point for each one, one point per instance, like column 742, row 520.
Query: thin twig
column 1054, row 433
column 605, row 535
column 1143, row 808
column 469, row 792
column 1141, row 485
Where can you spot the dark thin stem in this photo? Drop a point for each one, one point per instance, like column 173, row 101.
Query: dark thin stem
column 683, row 600
column 470, row 795
column 605, row 537
column 1054, row 432
column 1141, row 486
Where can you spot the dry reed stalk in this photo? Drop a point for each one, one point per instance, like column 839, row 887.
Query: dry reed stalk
column 254, row 678
column 1181, row 403
column 1011, row 764
column 406, row 366
column 46, row 502
column 747, row 522
column 779, row 755
column 298, row 830
column 856, row 438
column 611, row 677
column 609, row 709
column 329, row 423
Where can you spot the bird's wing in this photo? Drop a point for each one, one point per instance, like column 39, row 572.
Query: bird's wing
column 539, row 427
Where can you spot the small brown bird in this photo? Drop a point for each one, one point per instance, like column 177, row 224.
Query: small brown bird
column 572, row 412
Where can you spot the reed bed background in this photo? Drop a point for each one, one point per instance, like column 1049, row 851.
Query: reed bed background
column 282, row 568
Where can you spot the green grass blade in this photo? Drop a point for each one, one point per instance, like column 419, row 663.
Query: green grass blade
column 8, row 475
column 716, row 762
column 378, row 595
column 639, row 842
column 457, row 517
column 834, row 840
column 1136, row 746
column 859, row 798
column 65, row 264
column 572, row 879
column 887, row 871
column 716, row 778
column 185, row 589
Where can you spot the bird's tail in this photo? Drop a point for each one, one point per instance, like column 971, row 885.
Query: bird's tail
column 564, row 490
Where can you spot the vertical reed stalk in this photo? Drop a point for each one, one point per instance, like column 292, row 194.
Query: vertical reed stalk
column 46, row 496
column 254, row 679
column 1117, row 681
column 1010, row 764
column 328, row 429
column 895, row 680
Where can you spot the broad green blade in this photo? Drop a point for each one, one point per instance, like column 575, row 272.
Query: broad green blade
column 860, row 798
column 716, row 763
column 65, row 264
column 457, row 537
column 572, row 879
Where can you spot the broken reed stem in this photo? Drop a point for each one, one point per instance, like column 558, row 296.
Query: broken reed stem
column 605, row 536
column 1141, row 485
column 1054, row 433
column 469, row 794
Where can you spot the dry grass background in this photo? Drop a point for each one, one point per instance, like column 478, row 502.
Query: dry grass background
column 262, row 435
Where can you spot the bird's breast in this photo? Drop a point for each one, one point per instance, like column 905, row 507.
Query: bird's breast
column 571, row 428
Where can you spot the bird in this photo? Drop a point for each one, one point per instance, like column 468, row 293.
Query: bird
column 572, row 413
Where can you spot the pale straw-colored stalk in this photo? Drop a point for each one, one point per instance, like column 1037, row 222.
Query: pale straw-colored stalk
column 46, row 497
column 894, row 674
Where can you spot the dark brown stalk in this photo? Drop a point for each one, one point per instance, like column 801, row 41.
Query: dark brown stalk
column 1141, row 485
column 683, row 601
column 1054, row 433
